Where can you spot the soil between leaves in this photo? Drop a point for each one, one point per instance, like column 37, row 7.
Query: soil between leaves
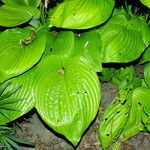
column 46, row 139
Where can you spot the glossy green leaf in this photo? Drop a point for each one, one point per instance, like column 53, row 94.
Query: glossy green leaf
column 88, row 45
column 134, row 122
column 77, row 14
column 11, row 16
column 146, row 3
column 147, row 74
column 22, row 2
column 124, row 37
column 114, row 120
column 67, row 44
column 146, row 56
column 68, row 95
column 142, row 95
column 20, row 49
column 25, row 93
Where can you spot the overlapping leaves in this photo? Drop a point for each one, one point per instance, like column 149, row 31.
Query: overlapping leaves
column 124, row 37
column 16, row 12
column 20, row 49
column 65, row 92
column 68, row 44
column 24, row 96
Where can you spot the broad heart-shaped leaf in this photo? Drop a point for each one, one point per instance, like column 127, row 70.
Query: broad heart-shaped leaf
column 146, row 3
column 68, row 95
column 20, row 49
column 114, row 120
column 147, row 74
column 88, row 45
column 25, row 93
column 60, row 43
column 22, row 2
column 11, row 16
column 124, row 37
column 77, row 14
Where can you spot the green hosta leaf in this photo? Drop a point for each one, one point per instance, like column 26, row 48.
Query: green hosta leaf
column 124, row 37
column 22, row 2
column 114, row 120
column 88, row 46
column 24, row 96
column 134, row 122
column 146, row 55
column 142, row 95
column 77, row 14
column 20, row 49
column 85, row 45
column 11, row 16
column 68, row 95
column 60, row 43
column 146, row 2
column 147, row 74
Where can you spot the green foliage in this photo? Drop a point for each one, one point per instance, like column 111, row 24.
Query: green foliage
column 135, row 99
column 56, row 67
column 22, row 2
column 72, row 98
column 9, row 141
column 124, row 37
column 77, row 14
column 6, row 99
column 21, row 14
column 146, row 2
column 20, row 49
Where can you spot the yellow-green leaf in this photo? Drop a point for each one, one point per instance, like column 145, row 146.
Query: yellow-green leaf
column 20, row 49
column 77, row 14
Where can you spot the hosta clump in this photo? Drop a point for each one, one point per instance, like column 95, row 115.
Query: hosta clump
column 56, row 68
column 77, row 14
column 124, row 37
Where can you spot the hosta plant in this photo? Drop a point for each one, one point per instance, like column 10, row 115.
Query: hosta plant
column 53, row 51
